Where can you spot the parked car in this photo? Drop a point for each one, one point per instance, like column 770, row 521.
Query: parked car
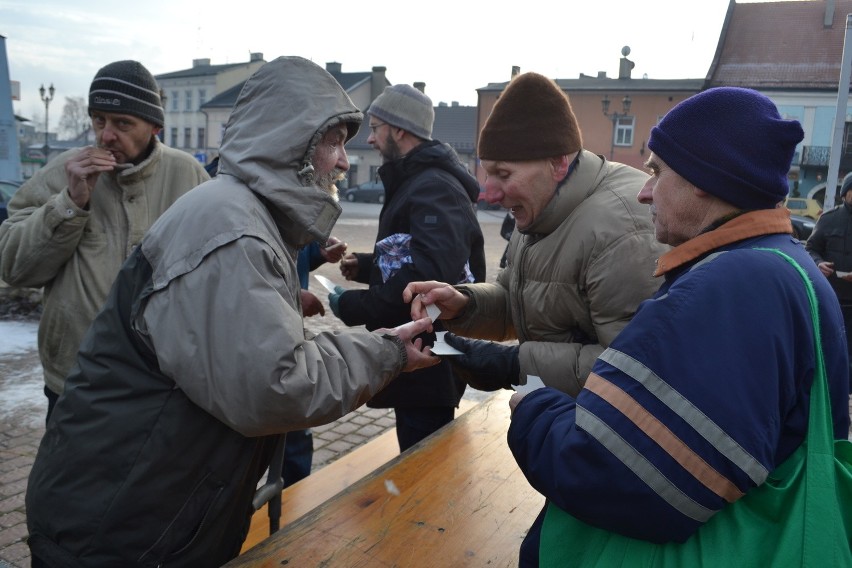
column 804, row 207
column 482, row 203
column 7, row 189
column 802, row 226
column 370, row 191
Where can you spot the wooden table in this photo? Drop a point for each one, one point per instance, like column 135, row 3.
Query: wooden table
column 455, row 499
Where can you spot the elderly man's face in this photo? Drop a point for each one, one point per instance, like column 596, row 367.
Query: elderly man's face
column 525, row 187
column 330, row 160
column 125, row 136
column 676, row 211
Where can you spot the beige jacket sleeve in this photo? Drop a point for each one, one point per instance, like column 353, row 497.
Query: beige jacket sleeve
column 42, row 232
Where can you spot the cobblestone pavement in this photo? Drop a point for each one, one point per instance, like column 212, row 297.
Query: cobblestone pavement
column 22, row 427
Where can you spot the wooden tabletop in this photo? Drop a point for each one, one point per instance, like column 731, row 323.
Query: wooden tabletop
column 455, row 499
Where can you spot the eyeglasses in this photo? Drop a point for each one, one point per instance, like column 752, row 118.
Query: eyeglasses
column 374, row 127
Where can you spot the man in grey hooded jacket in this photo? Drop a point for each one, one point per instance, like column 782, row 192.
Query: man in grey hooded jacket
column 198, row 362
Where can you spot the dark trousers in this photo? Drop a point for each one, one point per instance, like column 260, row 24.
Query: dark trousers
column 298, row 455
column 528, row 555
column 847, row 322
column 414, row 424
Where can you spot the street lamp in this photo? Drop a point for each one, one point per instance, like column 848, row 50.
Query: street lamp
column 615, row 117
column 46, row 98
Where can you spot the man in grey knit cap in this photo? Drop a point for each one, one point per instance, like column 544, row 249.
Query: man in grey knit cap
column 73, row 224
column 427, row 231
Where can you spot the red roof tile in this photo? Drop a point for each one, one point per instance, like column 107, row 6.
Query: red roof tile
column 781, row 45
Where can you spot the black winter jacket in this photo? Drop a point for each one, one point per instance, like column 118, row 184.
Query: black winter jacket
column 431, row 196
column 831, row 241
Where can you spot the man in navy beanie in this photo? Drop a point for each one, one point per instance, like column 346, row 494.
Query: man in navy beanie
column 706, row 391
column 73, row 224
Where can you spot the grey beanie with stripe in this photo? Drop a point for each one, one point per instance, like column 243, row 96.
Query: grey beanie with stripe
column 405, row 107
column 127, row 87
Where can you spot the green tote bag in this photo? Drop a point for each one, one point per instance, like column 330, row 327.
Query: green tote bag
column 801, row 515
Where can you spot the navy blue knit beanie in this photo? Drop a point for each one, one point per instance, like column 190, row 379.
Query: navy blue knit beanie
column 731, row 143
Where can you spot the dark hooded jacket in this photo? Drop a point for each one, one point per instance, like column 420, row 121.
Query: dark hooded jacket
column 198, row 361
column 430, row 196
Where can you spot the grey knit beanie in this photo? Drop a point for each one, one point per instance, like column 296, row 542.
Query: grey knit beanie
column 126, row 87
column 405, row 107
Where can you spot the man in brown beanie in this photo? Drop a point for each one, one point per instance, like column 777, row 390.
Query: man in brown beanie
column 580, row 261
column 427, row 231
column 73, row 224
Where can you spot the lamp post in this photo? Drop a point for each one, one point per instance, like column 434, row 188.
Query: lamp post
column 615, row 117
column 46, row 97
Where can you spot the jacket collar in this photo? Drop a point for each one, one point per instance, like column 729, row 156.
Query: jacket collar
column 581, row 183
column 747, row 225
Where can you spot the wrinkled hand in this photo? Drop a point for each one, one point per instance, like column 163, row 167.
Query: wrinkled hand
column 333, row 250
column 485, row 365
column 418, row 357
column 349, row 266
column 334, row 300
column 311, row 305
column 450, row 301
column 82, row 172
column 827, row 268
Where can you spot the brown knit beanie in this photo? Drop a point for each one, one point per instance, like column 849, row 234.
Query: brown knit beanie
column 531, row 120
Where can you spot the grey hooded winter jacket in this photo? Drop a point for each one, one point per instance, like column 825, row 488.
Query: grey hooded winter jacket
column 199, row 360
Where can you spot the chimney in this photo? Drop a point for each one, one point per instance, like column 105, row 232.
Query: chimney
column 828, row 21
column 378, row 82
column 200, row 62
column 420, row 86
column 516, row 70
column 454, row 104
column 334, row 67
column 625, row 66
column 601, row 74
column 256, row 56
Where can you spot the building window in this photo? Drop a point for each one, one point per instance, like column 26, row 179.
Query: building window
column 202, row 96
column 188, row 105
column 175, row 105
column 202, row 142
column 174, row 140
column 187, row 137
column 624, row 131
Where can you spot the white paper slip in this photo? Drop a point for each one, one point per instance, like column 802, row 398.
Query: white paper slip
column 433, row 312
column 442, row 348
column 533, row 383
column 327, row 284
column 842, row 274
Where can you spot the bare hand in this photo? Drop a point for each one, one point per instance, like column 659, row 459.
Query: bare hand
column 311, row 305
column 83, row 170
column 450, row 301
column 515, row 401
column 349, row 267
column 827, row 268
column 418, row 357
column 334, row 250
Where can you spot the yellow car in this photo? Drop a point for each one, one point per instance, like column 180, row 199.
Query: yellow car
column 804, row 207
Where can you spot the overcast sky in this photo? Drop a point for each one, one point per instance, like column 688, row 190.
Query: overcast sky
column 454, row 47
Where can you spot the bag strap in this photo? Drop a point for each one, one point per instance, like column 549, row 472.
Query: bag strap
column 820, row 438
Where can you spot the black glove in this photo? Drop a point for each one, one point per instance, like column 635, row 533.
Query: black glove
column 485, row 365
